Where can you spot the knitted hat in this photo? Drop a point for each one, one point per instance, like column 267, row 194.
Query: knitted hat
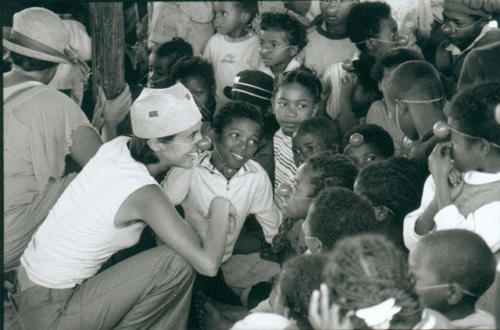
column 38, row 33
column 163, row 112
column 482, row 8
column 254, row 87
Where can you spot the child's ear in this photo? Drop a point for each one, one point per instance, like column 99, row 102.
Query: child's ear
column 370, row 44
column 155, row 145
column 293, row 50
column 381, row 213
column 455, row 294
column 315, row 109
column 484, row 148
column 245, row 18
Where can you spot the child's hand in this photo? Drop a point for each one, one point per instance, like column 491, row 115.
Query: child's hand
column 456, row 183
column 112, row 111
column 322, row 315
column 440, row 163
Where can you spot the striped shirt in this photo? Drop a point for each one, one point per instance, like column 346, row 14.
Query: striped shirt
column 284, row 167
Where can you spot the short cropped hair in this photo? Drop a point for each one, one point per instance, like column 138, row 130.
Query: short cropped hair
column 393, row 58
column 294, row 31
column 302, row 76
column 374, row 136
column 364, row 20
column 332, row 170
column 250, row 7
column 235, row 110
column 414, row 80
column 177, row 47
column 324, row 128
column 473, row 267
column 337, row 213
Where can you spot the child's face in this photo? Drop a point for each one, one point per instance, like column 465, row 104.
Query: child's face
column 159, row 69
column 421, row 269
column 274, row 49
column 238, row 142
column 201, row 91
column 388, row 33
column 305, row 146
column 464, row 157
column 461, row 30
column 335, row 12
column 298, row 202
column 362, row 98
column 292, row 104
column 363, row 155
column 228, row 18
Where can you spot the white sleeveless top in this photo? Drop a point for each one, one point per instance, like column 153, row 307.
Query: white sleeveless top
column 79, row 234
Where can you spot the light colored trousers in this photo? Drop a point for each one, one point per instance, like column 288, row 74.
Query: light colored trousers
column 149, row 290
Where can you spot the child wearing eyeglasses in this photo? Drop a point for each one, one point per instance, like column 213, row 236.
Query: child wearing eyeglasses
column 463, row 190
column 450, row 282
column 281, row 38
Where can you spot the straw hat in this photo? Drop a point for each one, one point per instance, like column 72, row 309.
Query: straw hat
column 163, row 112
column 38, row 33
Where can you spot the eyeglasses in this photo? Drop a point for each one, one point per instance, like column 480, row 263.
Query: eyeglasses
column 406, row 140
column 443, row 130
column 438, row 286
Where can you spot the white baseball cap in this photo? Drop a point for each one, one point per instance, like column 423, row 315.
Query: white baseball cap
column 163, row 112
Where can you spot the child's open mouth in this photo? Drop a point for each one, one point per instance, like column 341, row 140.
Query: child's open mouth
column 238, row 157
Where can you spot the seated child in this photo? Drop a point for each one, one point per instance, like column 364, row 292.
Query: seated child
column 234, row 47
column 393, row 188
column 466, row 26
column 228, row 171
column 313, row 137
column 463, row 190
column 378, row 112
column 373, row 30
column 328, row 41
column 296, row 98
column 366, row 144
column 415, row 95
column 198, row 76
column 255, row 87
column 326, row 169
column 450, row 278
column 299, row 277
column 367, row 278
column 161, row 60
column 281, row 38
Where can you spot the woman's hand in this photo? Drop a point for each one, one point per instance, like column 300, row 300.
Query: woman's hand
column 322, row 315
column 221, row 205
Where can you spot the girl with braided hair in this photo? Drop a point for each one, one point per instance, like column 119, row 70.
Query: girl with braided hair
column 369, row 282
column 394, row 188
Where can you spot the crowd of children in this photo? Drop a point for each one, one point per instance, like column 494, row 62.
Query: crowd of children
column 297, row 165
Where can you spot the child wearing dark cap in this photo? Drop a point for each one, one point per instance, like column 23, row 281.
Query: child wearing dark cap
column 450, row 278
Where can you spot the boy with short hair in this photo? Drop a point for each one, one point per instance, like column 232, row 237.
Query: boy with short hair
column 452, row 282
column 281, row 38
column 328, row 41
column 415, row 95
column 234, row 47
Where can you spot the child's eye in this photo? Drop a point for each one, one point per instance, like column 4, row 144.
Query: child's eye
column 282, row 104
column 303, row 106
column 296, row 151
column 253, row 142
column 371, row 158
column 234, row 135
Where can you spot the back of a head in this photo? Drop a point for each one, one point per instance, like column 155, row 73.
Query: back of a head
column 393, row 58
column 324, row 128
column 338, row 213
column 177, row 47
column 366, row 270
column 474, row 110
column 392, row 184
column 374, row 136
column 364, row 20
column 299, row 277
column 193, row 66
column 481, row 65
column 294, row 31
column 332, row 170
column 414, row 80
column 473, row 266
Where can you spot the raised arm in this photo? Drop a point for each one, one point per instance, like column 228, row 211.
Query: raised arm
column 151, row 205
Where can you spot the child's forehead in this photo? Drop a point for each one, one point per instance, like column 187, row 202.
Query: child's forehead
column 306, row 137
column 226, row 5
column 294, row 89
column 272, row 34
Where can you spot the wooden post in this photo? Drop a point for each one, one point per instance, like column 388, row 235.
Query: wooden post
column 108, row 47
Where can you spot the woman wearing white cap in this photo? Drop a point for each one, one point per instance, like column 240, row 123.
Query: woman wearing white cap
column 104, row 210
column 41, row 127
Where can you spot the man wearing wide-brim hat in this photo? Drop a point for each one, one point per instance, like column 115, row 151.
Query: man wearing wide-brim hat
column 41, row 127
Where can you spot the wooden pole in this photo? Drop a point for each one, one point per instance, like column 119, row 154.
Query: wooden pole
column 108, row 47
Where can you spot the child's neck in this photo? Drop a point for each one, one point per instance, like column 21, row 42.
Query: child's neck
column 279, row 68
column 337, row 31
column 460, row 311
column 239, row 34
column 221, row 165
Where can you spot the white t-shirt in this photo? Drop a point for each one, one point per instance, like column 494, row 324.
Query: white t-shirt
column 79, row 234
column 229, row 57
